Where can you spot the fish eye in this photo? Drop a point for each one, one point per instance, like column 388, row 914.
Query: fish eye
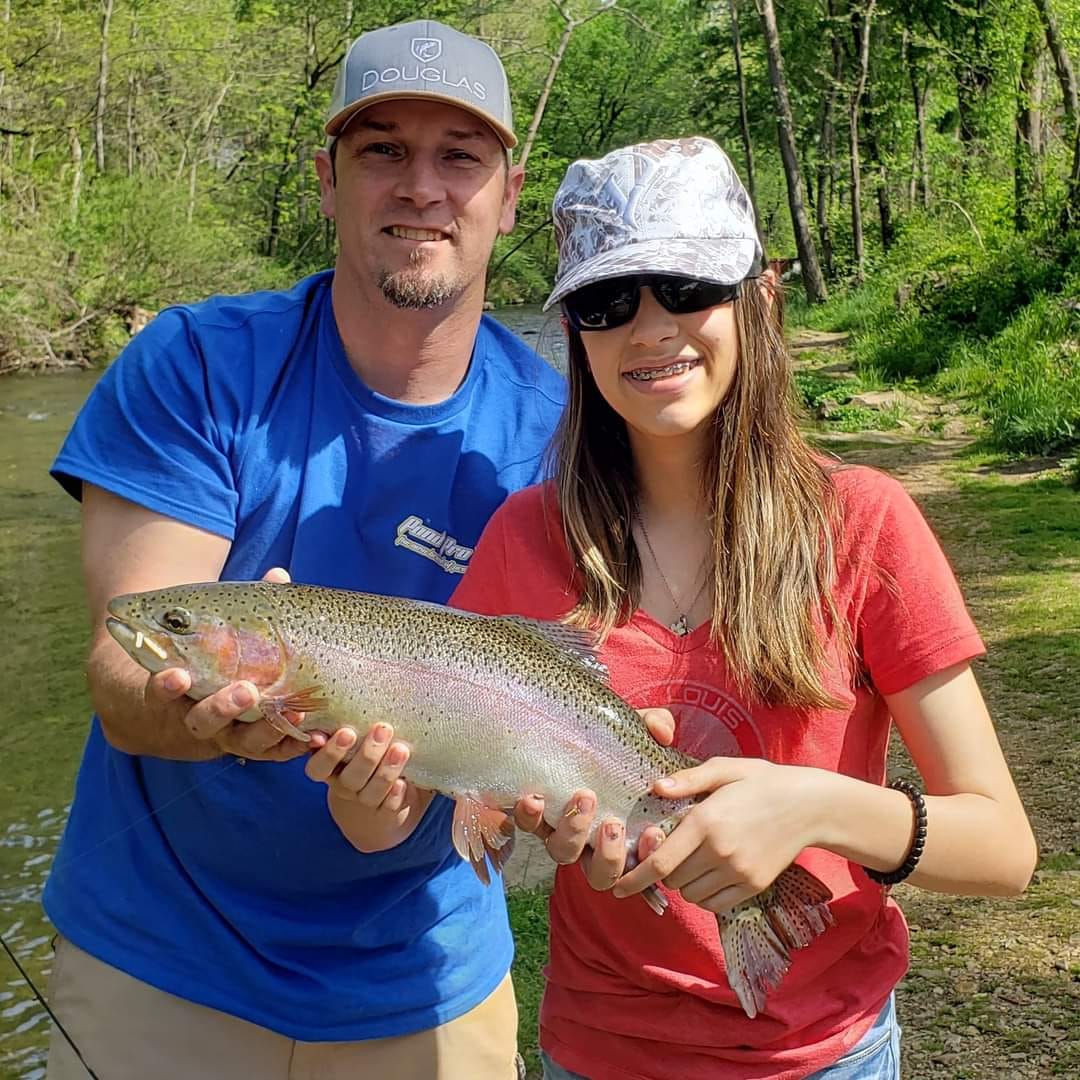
column 177, row 619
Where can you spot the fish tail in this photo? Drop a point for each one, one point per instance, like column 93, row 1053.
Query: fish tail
column 758, row 935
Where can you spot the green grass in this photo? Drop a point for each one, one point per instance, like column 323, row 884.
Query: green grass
column 529, row 921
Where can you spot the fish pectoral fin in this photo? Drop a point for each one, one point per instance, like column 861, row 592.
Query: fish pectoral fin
column 759, row 935
column 274, row 712
column 480, row 833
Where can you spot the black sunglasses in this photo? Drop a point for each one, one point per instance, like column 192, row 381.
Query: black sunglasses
column 607, row 304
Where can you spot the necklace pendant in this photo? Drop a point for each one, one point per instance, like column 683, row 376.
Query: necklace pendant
column 680, row 626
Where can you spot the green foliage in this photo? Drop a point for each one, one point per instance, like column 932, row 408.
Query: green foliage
column 70, row 286
column 214, row 113
column 997, row 327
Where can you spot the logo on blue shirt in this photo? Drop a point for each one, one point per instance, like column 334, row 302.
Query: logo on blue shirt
column 441, row 548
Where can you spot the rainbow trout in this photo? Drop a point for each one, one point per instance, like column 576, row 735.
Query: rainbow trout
column 491, row 708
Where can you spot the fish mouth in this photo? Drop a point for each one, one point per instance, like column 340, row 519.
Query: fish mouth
column 139, row 645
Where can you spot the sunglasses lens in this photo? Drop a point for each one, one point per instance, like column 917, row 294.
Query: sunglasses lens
column 603, row 305
column 608, row 304
column 683, row 295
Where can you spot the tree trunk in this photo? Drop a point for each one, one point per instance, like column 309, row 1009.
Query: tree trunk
column 813, row 282
column 311, row 76
column 920, row 160
column 103, row 82
column 861, row 28
column 744, row 124
column 1063, row 65
column 31, row 149
column 132, row 98
column 827, row 149
column 201, row 141
column 1026, row 154
column 1073, row 206
column 974, row 72
column 77, row 171
column 881, row 183
column 545, row 93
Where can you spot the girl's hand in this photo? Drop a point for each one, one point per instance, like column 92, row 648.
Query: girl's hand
column 568, row 841
column 738, row 840
column 371, row 802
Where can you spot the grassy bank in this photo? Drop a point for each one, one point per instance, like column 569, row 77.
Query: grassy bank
column 984, row 317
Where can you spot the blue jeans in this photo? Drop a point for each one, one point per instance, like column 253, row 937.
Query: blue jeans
column 876, row 1056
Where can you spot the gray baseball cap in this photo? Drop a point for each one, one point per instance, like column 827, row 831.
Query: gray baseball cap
column 674, row 206
column 422, row 59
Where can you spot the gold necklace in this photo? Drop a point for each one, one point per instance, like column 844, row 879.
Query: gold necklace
column 680, row 626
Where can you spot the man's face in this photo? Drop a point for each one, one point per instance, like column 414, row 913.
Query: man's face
column 422, row 192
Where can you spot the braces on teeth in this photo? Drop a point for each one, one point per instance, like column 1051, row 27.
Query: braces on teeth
column 660, row 373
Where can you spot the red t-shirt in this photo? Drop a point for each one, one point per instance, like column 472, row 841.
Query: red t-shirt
column 634, row 995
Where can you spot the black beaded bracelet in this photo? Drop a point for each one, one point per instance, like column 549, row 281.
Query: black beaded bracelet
column 918, row 841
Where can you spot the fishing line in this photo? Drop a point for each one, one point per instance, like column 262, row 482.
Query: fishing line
column 148, row 817
column 83, row 854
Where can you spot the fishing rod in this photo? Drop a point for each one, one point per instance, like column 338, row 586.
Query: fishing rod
column 45, row 1005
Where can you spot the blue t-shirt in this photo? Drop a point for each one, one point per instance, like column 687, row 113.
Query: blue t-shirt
column 229, row 884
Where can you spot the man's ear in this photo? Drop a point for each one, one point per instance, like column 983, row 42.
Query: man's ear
column 515, row 177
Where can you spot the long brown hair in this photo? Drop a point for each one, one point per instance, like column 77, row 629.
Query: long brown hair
column 772, row 509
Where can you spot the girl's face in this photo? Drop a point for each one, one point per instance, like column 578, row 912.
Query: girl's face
column 665, row 374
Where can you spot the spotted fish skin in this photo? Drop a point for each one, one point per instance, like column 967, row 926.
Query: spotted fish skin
column 491, row 708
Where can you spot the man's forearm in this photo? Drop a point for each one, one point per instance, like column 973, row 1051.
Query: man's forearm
column 131, row 722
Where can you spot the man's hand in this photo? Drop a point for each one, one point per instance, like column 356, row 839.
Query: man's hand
column 373, row 804
column 215, row 721
column 567, row 841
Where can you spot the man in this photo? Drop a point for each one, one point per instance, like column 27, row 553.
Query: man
column 358, row 430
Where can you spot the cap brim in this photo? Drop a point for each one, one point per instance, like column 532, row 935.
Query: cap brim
column 724, row 261
column 339, row 121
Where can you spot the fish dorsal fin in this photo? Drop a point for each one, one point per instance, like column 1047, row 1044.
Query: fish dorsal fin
column 576, row 643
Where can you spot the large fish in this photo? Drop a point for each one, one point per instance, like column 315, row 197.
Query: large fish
column 491, row 708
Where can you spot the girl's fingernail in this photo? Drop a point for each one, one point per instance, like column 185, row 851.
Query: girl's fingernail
column 397, row 755
column 666, row 784
column 380, row 734
column 613, row 830
column 345, row 737
column 173, row 683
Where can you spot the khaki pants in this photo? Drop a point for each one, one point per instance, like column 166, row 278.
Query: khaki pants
column 128, row 1030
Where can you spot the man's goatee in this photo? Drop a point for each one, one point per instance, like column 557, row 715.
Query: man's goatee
column 417, row 291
